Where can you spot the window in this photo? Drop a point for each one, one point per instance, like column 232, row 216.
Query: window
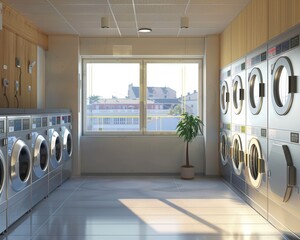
column 138, row 95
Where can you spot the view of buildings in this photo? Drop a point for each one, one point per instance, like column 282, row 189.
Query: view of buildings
column 123, row 114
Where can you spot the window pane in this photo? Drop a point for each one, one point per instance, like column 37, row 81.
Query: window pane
column 108, row 105
column 172, row 89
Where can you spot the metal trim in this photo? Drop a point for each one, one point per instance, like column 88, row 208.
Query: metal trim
column 2, row 162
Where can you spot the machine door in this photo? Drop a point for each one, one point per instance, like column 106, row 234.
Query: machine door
column 224, row 148
column 20, row 165
column 40, row 156
column 2, row 174
column 237, row 154
column 55, row 149
column 256, row 91
column 67, row 144
column 255, row 163
column 283, row 85
column 224, row 97
column 238, row 94
column 282, row 171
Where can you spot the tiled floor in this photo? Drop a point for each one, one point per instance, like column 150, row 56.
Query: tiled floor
column 142, row 208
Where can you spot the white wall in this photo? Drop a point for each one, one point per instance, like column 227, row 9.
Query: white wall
column 211, row 107
column 138, row 154
column 62, row 83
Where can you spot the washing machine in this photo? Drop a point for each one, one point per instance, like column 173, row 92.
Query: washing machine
column 40, row 157
column 3, row 171
column 19, row 166
column 224, row 149
column 67, row 140
column 225, row 97
column 284, row 129
column 55, row 151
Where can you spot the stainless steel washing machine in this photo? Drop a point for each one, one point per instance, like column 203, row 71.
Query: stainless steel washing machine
column 55, row 150
column 3, row 172
column 67, row 140
column 19, row 167
column 225, row 97
column 256, row 169
column 237, row 154
column 284, row 129
column 225, row 161
column 238, row 92
column 40, row 158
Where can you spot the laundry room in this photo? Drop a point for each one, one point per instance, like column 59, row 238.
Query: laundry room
column 93, row 98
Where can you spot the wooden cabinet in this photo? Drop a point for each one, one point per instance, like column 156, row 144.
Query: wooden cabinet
column 283, row 14
column 225, row 47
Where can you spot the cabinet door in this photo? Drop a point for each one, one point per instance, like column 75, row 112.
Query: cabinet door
column 225, row 43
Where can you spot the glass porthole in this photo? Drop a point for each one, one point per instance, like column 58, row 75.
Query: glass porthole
column 256, row 91
column 238, row 94
column 237, row 154
column 224, row 148
column 224, row 97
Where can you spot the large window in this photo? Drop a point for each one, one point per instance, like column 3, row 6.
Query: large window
column 138, row 96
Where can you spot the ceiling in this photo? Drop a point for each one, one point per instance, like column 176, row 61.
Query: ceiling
column 83, row 17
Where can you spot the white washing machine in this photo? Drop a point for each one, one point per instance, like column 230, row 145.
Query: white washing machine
column 256, row 170
column 238, row 92
column 19, row 166
column 225, row 161
column 55, row 150
column 284, row 129
column 225, row 97
column 3, row 178
column 67, row 140
column 40, row 158
column 237, row 154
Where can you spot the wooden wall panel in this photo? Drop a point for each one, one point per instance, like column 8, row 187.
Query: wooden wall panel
column 238, row 36
column 32, row 78
column 225, row 47
column 3, row 102
column 257, row 23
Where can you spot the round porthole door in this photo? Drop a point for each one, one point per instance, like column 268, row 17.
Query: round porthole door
column 256, row 163
column 237, row 94
column 41, row 156
column 256, row 91
column 2, row 174
column 224, row 97
column 67, row 143
column 55, row 149
column 237, row 154
column 20, row 165
column 283, row 85
column 224, row 148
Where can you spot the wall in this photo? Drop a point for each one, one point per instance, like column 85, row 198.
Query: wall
column 62, row 83
column 211, row 104
column 41, row 90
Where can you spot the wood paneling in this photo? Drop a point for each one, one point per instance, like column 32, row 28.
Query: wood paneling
column 238, row 36
column 257, row 23
column 18, row 24
column 283, row 14
column 225, row 48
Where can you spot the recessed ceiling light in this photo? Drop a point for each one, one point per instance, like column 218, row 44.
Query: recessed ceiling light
column 145, row 30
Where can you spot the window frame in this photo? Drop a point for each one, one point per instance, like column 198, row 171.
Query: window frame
column 143, row 61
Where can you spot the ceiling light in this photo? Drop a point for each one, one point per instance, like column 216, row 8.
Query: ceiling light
column 145, row 30
column 184, row 23
column 104, row 22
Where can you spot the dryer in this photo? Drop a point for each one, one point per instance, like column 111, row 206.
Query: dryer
column 3, row 178
column 55, row 150
column 67, row 140
column 284, row 129
column 40, row 158
column 19, row 166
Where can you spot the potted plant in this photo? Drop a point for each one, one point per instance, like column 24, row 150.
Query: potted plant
column 188, row 128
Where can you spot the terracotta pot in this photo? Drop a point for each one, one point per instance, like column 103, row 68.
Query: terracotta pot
column 187, row 173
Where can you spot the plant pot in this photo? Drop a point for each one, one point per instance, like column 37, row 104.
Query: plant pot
column 187, row 173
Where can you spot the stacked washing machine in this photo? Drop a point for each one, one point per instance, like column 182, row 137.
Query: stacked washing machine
column 55, row 146
column 257, row 124
column 238, row 142
column 67, row 140
column 19, row 166
column 40, row 156
column 3, row 173
column 284, row 131
column 225, row 126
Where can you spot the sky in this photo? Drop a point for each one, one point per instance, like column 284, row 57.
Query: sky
column 112, row 79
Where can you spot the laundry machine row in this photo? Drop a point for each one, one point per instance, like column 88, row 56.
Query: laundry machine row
column 265, row 140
